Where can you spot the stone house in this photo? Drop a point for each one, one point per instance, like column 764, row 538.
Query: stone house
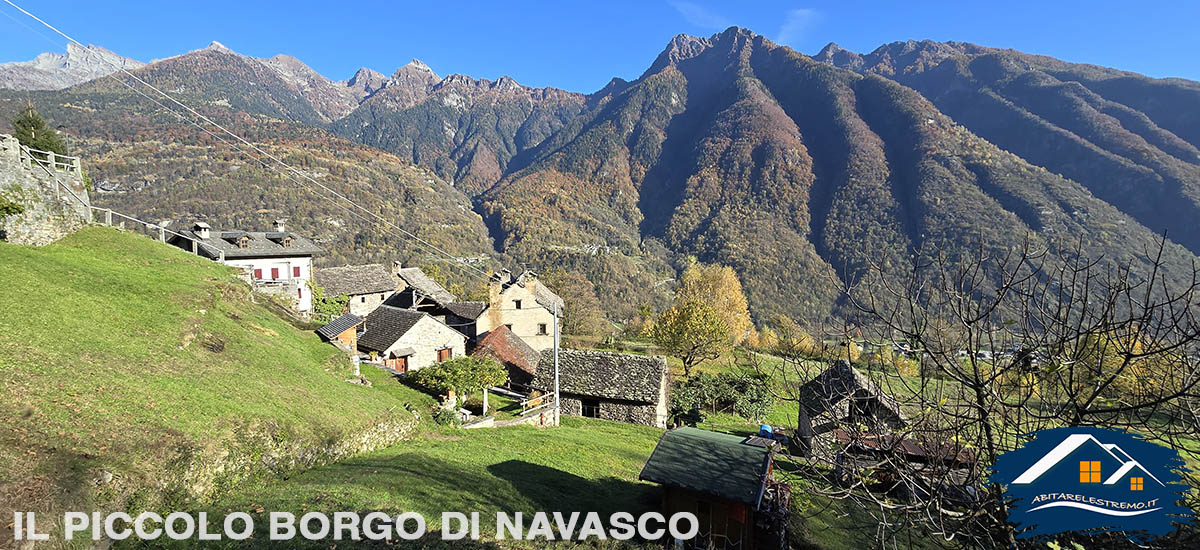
column 467, row 318
column 522, row 304
column 418, row 291
column 278, row 261
column 405, row 339
column 607, row 385
column 366, row 286
column 343, row 331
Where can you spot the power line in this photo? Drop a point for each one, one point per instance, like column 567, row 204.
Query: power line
column 291, row 171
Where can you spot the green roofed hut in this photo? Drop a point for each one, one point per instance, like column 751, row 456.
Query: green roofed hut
column 727, row 481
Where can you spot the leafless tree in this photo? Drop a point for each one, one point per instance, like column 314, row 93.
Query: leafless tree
column 977, row 352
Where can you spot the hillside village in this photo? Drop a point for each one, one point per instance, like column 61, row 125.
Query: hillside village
column 205, row 330
column 400, row 321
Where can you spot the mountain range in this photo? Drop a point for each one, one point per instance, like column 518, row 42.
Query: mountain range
column 799, row 171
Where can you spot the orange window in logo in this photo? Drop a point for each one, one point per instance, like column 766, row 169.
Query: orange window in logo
column 1089, row 471
column 1135, row 484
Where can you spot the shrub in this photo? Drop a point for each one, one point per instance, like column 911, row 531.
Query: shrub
column 445, row 417
column 746, row 395
column 463, row 376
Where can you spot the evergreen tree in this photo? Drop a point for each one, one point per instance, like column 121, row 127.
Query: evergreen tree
column 32, row 131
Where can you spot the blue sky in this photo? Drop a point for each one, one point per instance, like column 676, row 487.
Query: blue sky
column 581, row 45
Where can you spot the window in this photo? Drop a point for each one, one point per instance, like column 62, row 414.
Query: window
column 243, row 242
column 1135, row 484
column 274, row 272
column 362, row 300
column 444, row 354
column 516, row 304
column 257, row 273
column 296, row 271
column 300, row 293
column 508, row 326
column 542, row 328
column 1089, row 471
column 591, row 408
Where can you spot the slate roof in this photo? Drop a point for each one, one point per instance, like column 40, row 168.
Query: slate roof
column 469, row 310
column 541, row 293
column 339, row 325
column 352, row 280
column 712, row 463
column 841, row 381
column 603, row 374
column 262, row 244
column 511, row 351
column 421, row 282
column 385, row 325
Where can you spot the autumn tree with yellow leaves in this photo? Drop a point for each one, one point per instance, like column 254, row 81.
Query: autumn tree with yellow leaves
column 708, row 317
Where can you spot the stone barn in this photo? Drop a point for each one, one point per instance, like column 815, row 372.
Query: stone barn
column 842, row 396
column 607, row 385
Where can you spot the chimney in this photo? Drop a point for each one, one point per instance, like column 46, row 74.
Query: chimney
column 279, row 225
column 202, row 230
column 397, row 266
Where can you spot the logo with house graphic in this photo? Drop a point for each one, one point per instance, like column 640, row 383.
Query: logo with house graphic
column 1091, row 479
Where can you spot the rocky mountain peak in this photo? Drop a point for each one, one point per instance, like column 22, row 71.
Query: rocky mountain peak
column 53, row 71
column 366, row 81
column 681, row 47
column 219, row 47
column 417, row 65
column 838, row 56
column 507, row 83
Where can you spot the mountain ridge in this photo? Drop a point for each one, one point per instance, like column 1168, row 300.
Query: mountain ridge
column 55, row 71
column 800, row 172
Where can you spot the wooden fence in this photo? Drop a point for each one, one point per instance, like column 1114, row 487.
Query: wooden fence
column 116, row 219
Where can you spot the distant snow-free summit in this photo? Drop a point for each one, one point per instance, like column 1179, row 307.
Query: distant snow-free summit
column 55, row 71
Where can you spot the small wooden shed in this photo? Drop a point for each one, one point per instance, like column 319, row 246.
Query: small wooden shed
column 727, row 481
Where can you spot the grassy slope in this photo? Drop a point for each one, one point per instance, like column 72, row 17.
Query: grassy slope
column 113, row 359
column 586, row 465
column 109, row 358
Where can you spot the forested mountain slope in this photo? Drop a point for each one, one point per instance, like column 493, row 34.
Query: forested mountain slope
column 739, row 151
column 1130, row 140
column 797, row 171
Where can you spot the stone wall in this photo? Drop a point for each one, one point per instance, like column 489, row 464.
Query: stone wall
column 51, row 212
column 531, row 322
column 425, row 338
column 632, row 412
column 363, row 304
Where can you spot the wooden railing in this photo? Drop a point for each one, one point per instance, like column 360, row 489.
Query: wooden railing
column 153, row 230
column 50, row 160
column 25, row 154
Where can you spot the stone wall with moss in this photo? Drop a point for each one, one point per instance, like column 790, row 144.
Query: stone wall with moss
column 48, row 212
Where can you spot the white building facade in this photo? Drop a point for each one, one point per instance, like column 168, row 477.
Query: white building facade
column 276, row 262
